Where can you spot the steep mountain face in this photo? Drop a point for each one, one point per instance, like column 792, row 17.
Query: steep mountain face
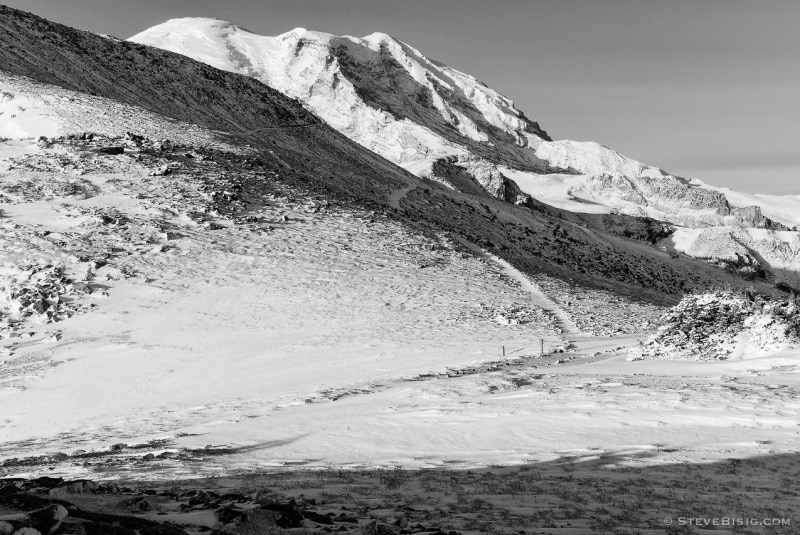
column 378, row 91
column 445, row 125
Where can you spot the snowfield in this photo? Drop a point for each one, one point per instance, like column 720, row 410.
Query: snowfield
column 326, row 337
column 198, row 325
column 782, row 208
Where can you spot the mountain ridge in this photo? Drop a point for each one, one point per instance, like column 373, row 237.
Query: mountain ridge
column 325, row 161
column 389, row 97
column 442, row 124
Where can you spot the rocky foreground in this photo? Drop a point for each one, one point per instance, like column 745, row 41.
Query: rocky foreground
column 578, row 494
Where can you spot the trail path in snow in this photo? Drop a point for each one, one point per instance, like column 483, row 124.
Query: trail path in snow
column 228, row 324
column 538, row 298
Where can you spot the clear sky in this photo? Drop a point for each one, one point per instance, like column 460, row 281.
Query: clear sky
column 702, row 88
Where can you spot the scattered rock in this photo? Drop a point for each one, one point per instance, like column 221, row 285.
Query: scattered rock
column 48, row 520
column 288, row 514
column 713, row 326
column 228, row 515
column 367, row 529
column 37, row 292
column 111, row 150
column 164, row 170
column 318, row 518
column 82, row 486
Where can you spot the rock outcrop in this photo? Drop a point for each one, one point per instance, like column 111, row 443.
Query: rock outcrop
column 723, row 325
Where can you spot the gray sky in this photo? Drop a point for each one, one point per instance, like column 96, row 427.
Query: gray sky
column 702, row 88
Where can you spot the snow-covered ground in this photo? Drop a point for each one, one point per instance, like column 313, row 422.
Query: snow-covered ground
column 676, row 410
column 311, row 334
column 556, row 190
column 30, row 109
column 332, row 337
column 194, row 326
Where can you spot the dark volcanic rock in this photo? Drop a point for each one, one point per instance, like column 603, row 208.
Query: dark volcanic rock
column 288, row 514
column 228, row 515
column 48, row 520
column 111, row 150
column 317, row 517
column 80, row 486
column 44, row 482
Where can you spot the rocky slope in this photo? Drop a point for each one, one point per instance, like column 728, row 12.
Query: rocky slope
column 443, row 124
column 297, row 147
column 750, row 252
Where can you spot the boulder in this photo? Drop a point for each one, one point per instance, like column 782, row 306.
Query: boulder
column 48, row 519
column 228, row 515
column 45, row 482
column 318, row 518
column 111, row 150
column 80, row 486
column 367, row 529
column 288, row 515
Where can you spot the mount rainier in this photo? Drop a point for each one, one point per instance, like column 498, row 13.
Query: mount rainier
column 443, row 124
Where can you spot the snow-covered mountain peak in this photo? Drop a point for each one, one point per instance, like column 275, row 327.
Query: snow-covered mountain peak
column 377, row 90
column 198, row 25
column 381, row 38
